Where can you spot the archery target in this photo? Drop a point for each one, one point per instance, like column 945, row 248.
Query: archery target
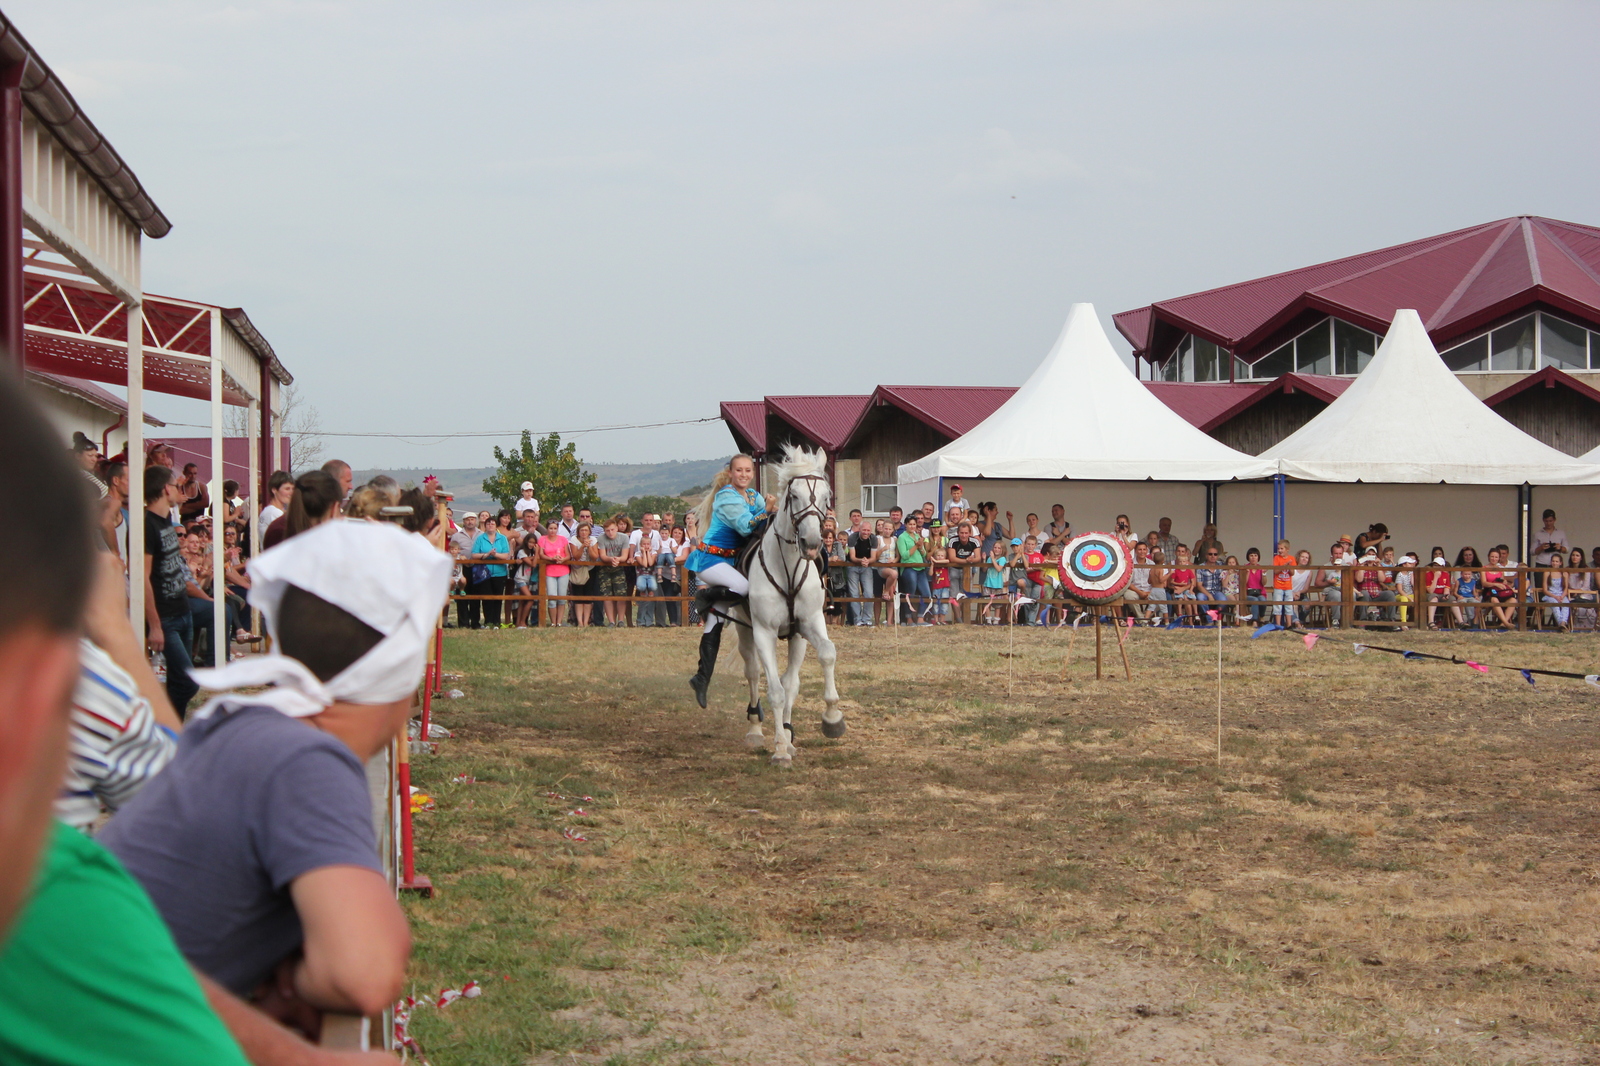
column 1095, row 568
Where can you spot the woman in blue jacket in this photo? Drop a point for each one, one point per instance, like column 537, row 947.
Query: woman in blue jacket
column 730, row 512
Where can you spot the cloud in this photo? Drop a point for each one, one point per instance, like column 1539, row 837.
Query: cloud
column 806, row 216
column 1004, row 163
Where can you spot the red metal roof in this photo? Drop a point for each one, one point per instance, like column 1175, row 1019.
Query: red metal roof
column 1325, row 388
column 1458, row 282
column 1198, row 402
column 748, row 421
column 825, row 420
column 1549, row 377
column 951, row 409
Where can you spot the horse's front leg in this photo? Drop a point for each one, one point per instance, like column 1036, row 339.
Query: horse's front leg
column 815, row 630
column 753, row 738
column 766, row 642
column 784, row 719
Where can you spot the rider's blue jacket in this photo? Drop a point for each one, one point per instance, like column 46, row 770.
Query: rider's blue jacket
column 733, row 515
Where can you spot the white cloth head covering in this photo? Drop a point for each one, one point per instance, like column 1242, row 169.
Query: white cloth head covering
column 394, row 581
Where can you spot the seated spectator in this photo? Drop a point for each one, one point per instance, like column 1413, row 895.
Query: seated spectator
column 1369, row 585
column 1466, row 586
column 1033, row 586
column 1230, row 590
column 1160, row 577
column 1300, row 589
column 1497, row 589
column 1255, row 585
column 1327, row 586
column 1182, row 585
column 1139, row 597
column 1437, row 586
column 257, row 843
column 1581, row 590
column 1209, row 578
column 1554, row 590
column 1051, row 572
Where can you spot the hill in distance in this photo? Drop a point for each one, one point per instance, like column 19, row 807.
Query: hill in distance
column 615, row 481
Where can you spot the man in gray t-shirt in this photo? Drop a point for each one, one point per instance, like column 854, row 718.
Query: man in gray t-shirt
column 252, row 801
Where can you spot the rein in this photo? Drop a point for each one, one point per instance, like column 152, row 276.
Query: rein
column 791, row 586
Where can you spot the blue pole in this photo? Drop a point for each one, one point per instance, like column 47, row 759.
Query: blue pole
column 1280, row 500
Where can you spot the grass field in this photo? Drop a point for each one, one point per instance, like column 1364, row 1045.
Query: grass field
column 1394, row 860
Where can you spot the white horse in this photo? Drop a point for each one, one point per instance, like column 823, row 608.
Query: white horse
column 785, row 602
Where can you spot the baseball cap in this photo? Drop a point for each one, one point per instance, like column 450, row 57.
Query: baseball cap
column 1016, row 541
column 527, row 484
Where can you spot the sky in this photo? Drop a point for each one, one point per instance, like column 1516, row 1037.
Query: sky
column 484, row 217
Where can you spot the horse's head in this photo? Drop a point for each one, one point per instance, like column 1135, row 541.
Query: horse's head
column 806, row 497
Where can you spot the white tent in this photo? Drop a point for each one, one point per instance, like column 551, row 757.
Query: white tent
column 1408, row 420
column 1082, row 415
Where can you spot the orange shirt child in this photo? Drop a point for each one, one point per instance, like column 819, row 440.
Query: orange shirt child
column 1283, row 572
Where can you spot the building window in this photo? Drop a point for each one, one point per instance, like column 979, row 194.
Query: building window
column 876, row 500
column 1530, row 342
column 1329, row 347
column 1196, row 359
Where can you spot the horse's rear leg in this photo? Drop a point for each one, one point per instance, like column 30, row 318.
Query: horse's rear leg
column 815, row 631
column 753, row 738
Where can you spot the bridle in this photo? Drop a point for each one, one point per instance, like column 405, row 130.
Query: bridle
column 791, row 587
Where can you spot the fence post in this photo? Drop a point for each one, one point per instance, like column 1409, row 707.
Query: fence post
column 1347, row 592
column 547, row 617
column 1523, row 577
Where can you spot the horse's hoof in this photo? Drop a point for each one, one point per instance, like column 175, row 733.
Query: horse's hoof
column 785, row 761
column 833, row 730
column 754, row 741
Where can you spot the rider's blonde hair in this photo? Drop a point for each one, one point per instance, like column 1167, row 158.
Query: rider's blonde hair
column 724, row 476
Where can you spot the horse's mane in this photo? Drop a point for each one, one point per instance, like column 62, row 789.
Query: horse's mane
column 796, row 462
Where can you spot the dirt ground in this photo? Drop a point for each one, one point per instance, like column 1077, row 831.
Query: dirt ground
column 1394, row 860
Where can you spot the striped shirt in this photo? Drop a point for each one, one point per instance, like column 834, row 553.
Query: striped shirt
column 115, row 744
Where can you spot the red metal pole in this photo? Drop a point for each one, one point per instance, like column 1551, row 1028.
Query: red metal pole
column 11, row 314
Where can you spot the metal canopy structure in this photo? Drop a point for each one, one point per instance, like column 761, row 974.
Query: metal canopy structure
column 72, row 302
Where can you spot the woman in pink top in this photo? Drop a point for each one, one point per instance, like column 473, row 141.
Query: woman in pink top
column 553, row 553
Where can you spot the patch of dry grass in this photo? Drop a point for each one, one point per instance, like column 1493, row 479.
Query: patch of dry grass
column 1387, row 848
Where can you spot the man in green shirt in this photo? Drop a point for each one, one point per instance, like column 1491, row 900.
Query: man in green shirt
column 914, row 578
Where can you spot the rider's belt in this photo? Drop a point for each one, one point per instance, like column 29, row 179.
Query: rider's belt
column 714, row 550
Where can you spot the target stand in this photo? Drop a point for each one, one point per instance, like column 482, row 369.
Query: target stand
column 1095, row 568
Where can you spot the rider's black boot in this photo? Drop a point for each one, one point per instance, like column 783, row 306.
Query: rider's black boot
column 710, row 644
column 708, row 596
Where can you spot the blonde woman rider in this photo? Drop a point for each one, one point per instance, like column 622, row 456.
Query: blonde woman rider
column 729, row 514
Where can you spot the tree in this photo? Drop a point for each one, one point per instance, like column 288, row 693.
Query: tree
column 557, row 474
column 301, row 421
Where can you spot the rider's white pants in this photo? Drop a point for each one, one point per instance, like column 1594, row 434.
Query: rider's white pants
column 728, row 577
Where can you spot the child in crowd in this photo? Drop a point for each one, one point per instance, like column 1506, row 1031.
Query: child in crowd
column 1283, row 585
column 1255, row 590
column 1405, row 587
column 1033, row 577
column 1181, row 584
column 888, row 556
column 994, row 583
column 939, row 581
column 1052, row 580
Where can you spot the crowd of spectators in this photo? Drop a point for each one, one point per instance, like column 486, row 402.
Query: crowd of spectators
column 622, row 568
column 210, row 888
